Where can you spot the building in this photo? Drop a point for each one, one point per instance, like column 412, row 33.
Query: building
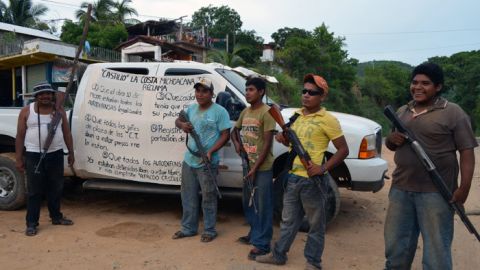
column 28, row 56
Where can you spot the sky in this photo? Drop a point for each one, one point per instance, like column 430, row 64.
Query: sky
column 409, row 31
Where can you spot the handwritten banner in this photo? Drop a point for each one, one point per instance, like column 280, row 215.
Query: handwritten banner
column 128, row 126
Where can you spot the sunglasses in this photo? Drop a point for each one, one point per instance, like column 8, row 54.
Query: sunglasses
column 312, row 92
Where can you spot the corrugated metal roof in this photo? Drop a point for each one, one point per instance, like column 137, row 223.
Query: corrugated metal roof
column 27, row 31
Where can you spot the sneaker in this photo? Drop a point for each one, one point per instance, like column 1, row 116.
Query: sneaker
column 62, row 221
column 255, row 252
column 269, row 259
column 31, row 231
column 311, row 267
column 244, row 240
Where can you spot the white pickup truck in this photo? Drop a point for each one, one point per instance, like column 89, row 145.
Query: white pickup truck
column 125, row 139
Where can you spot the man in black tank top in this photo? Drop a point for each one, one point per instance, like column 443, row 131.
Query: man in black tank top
column 47, row 179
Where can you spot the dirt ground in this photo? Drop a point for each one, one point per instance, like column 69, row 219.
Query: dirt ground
column 133, row 231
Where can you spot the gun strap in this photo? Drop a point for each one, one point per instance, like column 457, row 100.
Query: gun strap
column 195, row 153
column 292, row 154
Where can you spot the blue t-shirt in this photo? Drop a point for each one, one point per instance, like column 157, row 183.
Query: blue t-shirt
column 208, row 125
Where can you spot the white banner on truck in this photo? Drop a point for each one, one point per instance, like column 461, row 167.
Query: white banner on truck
column 128, row 129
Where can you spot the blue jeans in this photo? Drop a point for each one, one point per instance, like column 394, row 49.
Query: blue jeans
column 411, row 213
column 193, row 180
column 49, row 182
column 260, row 214
column 303, row 196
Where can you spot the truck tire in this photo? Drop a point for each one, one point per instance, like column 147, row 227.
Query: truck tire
column 332, row 206
column 12, row 184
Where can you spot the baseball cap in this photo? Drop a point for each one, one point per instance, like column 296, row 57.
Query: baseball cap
column 319, row 81
column 205, row 83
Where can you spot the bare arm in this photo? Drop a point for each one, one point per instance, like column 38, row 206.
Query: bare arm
column 20, row 138
column 467, row 166
column 67, row 138
column 235, row 139
column 224, row 137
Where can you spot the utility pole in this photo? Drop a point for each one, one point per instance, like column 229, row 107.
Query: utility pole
column 227, row 43
column 180, row 33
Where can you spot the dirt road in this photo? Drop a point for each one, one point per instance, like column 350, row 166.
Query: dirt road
column 133, row 231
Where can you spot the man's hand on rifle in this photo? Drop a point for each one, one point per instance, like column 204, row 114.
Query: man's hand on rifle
column 315, row 169
column 251, row 175
column 460, row 195
column 282, row 138
column 396, row 138
column 186, row 127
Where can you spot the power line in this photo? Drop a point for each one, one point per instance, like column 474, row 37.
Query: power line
column 414, row 32
column 422, row 49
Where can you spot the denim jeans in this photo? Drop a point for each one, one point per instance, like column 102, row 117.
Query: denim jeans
column 49, row 182
column 193, row 180
column 412, row 213
column 303, row 196
column 260, row 214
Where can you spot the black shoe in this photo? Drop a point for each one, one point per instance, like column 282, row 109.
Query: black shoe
column 31, row 231
column 252, row 255
column 62, row 221
column 244, row 240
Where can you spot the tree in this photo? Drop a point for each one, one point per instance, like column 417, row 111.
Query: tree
column 99, row 34
column 101, row 11
column 23, row 13
column 229, row 59
column 252, row 45
column 218, row 21
column 122, row 10
column 282, row 34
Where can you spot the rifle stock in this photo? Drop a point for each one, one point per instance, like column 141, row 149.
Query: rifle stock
column 437, row 179
column 202, row 152
column 292, row 137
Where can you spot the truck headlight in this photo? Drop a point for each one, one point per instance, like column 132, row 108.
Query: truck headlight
column 368, row 148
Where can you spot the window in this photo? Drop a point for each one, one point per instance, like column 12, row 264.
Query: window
column 185, row 71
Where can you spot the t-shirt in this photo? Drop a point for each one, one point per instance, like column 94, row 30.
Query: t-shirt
column 441, row 130
column 314, row 131
column 253, row 125
column 208, row 124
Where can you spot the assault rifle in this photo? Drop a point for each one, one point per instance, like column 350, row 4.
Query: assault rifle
column 246, row 169
column 437, row 179
column 52, row 128
column 202, row 152
column 292, row 137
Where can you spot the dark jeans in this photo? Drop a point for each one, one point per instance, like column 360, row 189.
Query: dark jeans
column 303, row 196
column 49, row 182
column 260, row 214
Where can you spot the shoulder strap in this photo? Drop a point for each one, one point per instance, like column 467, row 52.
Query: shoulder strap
column 292, row 154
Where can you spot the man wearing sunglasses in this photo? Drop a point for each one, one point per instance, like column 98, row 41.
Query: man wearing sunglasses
column 315, row 127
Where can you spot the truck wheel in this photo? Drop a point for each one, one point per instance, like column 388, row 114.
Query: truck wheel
column 332, row 206
column 12, row 184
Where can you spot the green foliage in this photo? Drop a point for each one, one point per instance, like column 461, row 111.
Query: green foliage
column 252, row 46
column 23, row 13
column 229, row 59
column 462, row 82
column 99, row 35
column 218, row 21
column 280, row 37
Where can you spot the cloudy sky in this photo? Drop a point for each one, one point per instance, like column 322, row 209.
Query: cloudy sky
column 409, row 31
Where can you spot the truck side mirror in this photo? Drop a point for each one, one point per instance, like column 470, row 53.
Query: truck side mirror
column 233, row 107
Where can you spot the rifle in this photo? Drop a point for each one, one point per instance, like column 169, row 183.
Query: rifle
column 201, row 152
column 293, row 138
column 246, row 169
column 437, row 179
column 52, row 128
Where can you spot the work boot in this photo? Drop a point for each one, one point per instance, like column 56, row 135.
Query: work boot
column 62, row 221
column 269, row 259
